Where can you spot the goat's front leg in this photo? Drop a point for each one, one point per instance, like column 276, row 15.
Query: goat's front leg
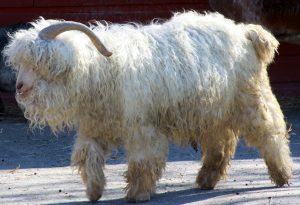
column 88, row 156
column 147, row 151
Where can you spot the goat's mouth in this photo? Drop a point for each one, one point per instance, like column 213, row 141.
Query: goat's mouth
column 22, row 94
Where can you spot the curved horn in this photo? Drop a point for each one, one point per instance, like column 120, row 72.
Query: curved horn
column 54, row 30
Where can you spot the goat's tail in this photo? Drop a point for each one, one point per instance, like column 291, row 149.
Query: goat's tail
column 264, row 42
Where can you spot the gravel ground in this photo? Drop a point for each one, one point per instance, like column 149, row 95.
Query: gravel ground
column 34, row 169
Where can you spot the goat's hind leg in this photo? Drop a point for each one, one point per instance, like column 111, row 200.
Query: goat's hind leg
column 265, row 129
column 217, row 150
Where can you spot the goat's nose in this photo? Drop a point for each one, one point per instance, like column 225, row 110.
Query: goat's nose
column 19, row 86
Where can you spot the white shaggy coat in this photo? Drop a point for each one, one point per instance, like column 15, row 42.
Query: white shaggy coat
column 193, row 79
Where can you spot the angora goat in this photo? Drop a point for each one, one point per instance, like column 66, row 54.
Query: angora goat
column 193, row 79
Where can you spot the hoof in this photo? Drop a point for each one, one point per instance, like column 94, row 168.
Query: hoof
column 94, row 192
column 94, row 197
column 207, row 181
column 141, row 197
column 281, row 182
column 205, row 187
column 280, row 177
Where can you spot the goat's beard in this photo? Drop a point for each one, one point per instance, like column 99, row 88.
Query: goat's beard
column 47, row 104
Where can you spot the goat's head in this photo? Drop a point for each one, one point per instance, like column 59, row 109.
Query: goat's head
column 30, row 55
column 43, row 59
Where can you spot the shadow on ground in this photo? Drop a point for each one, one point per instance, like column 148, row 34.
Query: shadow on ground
column 182, row 197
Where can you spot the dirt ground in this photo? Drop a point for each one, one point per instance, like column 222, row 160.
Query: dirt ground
column 34, row 169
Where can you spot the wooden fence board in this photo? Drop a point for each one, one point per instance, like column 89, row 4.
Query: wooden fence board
column 16, row 3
